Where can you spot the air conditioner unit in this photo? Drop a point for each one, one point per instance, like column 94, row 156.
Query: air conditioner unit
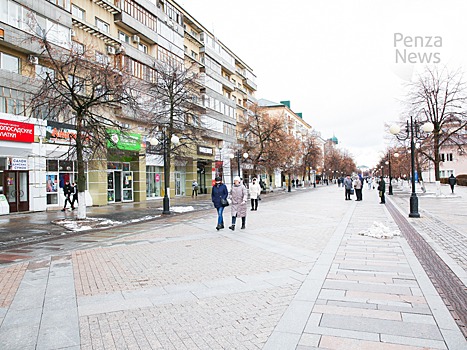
column 73, row 33
column 33, row 59
column 111, row 50
column 135, row 39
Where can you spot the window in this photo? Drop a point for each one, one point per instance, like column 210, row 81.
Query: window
column 11, row 101
column 448, row 157
column 78, row 12
column 76, row 83
column 123, row 37
column 139, row 13
column 143, row 47
column 43, row 72
column 101, row 58
column 102, row 26
column 61, row 3
column 77, row 47
column 441, row 157
column 194, row 55
column 9, row 62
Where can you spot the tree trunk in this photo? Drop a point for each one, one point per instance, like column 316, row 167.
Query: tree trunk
column 436, row 153
column 81, row 174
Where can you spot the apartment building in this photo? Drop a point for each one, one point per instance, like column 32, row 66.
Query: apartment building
column 297, row 127
column 135, row 34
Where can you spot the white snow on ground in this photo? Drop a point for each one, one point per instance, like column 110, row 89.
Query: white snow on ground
column 92, row 223
column 379, row 230
column 182, row 209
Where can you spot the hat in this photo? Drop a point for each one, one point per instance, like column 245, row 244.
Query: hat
column 218, row 178
column 237, row 178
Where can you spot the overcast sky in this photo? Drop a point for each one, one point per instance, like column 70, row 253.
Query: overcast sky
column 336, row 60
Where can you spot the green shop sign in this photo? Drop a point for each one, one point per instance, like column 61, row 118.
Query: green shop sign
column 124, row 141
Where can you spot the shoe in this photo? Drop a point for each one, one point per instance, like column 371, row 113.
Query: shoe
column 252, row 209
column 218, row 227
column 232, row 227
column 73, row 208
column 222, row 225
column 243, row 227
column 63, row 209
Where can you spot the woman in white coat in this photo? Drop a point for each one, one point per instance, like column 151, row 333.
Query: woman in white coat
column 255, row 191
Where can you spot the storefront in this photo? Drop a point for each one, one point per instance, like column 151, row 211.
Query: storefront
column 119, row 182
column 16, row 146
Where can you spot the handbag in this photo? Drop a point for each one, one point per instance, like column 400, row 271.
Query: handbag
column 351, row 191
column 224, row 202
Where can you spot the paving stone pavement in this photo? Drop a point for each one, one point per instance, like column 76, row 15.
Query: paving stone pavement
column 299, row 277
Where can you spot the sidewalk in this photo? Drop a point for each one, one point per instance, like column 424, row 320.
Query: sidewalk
column 299, row 277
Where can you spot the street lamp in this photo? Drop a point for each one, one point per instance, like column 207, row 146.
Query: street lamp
column 166, row 153
column 237, row 155
column 413, row 131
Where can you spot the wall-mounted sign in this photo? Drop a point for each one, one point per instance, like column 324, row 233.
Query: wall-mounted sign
column 16, row 131
column 18, row 164
column 205, row 150
column 124, row 141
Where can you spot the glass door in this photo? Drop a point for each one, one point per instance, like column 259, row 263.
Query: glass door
column 180, row 185
column 127, row 186
column 118, row 185
column 16, row 184
column 110, row 187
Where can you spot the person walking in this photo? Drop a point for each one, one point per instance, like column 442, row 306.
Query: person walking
column 255, row 191
column 370, row 182
column 194, row 188
column 382, row 190
column 452, row 182
column 347, row 187
column 67, row 191
column 75, row 195
column 239, row 196
column 218, row 194
column 357, row 184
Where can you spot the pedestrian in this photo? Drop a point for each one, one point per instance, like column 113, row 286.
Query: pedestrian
column 194, row 188
column 369, row 180
column 452, row 181
column 239, row 196
column 67, row 191
column 347, row 187
column 357, row 184
column 75, row 196
column 255, row 191
column 218, row 194
column 382, row 190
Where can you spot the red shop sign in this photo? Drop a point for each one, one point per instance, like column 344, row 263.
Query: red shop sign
column 16, row 131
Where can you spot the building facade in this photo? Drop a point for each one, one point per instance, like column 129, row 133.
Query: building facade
column 136, row 34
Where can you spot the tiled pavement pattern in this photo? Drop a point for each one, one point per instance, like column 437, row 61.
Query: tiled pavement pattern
column 299, row 277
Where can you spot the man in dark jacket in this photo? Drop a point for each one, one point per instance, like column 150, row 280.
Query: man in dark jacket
column 452, row 181
column 382, row 190
column 75, row 195
column 67, row 191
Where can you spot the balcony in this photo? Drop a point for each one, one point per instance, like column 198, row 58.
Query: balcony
column 250, row 83
column 227, row 84
column 108, row 6
column 93, row 30
column 193, row 39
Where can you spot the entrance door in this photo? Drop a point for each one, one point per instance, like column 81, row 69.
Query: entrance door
column 16, row 184
column 118, row 186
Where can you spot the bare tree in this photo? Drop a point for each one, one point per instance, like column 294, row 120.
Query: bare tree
column 82, row 92
column 312, row 155
column 440, row 97
column 173, row 108
column 263, row 133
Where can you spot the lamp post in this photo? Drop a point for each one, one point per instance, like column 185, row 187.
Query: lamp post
column 237, row 155
column 412, row 131
column 166, row 153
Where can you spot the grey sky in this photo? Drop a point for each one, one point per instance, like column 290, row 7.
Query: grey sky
column 336, row 60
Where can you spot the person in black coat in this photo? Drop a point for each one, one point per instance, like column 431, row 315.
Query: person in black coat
column 67, row 191
column 382, row 190
column 75, row 195
column 219, row 191
column 452, row 181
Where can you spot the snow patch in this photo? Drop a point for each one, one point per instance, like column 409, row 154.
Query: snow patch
column 379, row 230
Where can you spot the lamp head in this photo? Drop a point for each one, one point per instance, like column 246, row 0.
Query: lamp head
column 395, row 129
column 245, row 155
column 175, row 139
column 428, row 127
